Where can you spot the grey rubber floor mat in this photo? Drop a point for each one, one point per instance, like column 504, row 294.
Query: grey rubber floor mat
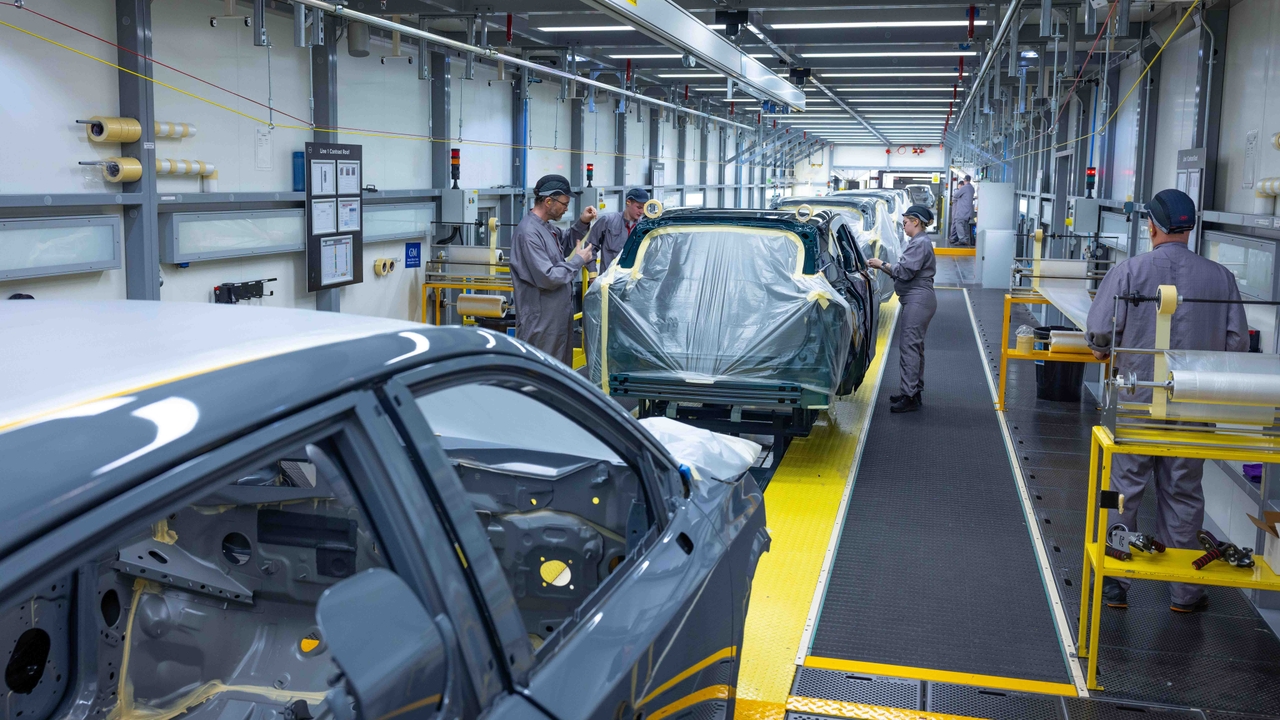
column 1226, row 660
column 935, row 567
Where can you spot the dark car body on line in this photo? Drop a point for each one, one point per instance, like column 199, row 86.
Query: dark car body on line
column 218, row 511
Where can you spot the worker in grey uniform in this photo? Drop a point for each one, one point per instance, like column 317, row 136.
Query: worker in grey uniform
column 913, row 281
column 544, row 264
column 610, row 232
column 962, row 212
column 1194, row 326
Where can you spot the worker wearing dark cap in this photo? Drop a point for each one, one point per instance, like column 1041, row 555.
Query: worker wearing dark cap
column 612, row 229
column 545, row 260
column 913, row 282
column 1195, row 326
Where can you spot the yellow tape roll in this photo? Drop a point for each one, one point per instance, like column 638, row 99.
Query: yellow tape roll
column 493, row 226
column 1039, row 235
column 122, row 170
column 492, row 306
column 803, row 213
column 1168, row 299
column 384, row 266
column 653, row 209
column 113, row 129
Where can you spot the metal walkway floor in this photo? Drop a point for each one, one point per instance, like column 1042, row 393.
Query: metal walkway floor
column 936, row 577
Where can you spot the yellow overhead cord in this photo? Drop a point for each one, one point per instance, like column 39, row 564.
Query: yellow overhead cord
column 343, row 131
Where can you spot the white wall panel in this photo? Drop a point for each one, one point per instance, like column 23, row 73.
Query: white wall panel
column 44, row 90
column 386, row 98
column 873, row 156
column 1176, row 114
column 598, row 139
column 1127, row 133
column 1250, row 101
column 227, row 57
column 550, row 131
column 482, row 118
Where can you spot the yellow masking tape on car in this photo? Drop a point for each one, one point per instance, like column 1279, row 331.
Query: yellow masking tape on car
column 606, row 283
column 821, row 296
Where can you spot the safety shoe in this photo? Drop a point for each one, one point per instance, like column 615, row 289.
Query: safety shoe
column 909, row 403
column 1198, row 606
column 1114, row 595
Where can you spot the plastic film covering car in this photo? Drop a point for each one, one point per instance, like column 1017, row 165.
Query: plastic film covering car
column 707, row 303
column 711, row 454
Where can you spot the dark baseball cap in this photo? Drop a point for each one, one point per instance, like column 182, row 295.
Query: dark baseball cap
column 1173, row 211
column 551, row 185
column 639, row 195
column 920, row 212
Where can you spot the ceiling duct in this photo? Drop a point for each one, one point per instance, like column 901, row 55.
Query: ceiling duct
column 675, row 27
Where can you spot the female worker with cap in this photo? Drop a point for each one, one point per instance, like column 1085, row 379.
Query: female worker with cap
column 544, row 264
column 1219, row 325
column 913, row 281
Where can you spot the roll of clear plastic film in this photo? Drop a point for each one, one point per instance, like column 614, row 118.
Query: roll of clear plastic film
column 1226, row 388
column 1067, row 341
column 492, row 306
column 112, row 129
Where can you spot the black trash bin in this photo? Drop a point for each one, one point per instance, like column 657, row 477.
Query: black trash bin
column 1057, row 381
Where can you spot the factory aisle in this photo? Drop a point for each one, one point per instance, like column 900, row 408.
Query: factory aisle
column 936, row 576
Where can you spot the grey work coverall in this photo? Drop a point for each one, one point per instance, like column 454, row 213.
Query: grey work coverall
column 1195, row 326
column 962, row 213
column 609, row 233
column 543, row 282
column 913, row 281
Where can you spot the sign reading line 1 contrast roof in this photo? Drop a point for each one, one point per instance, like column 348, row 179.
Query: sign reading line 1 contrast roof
column 674, row 26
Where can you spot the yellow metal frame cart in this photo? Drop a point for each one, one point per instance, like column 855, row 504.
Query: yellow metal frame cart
column 1172, row 565
column 1028, row 297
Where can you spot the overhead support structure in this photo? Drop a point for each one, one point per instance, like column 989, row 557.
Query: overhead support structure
column 137, row 100
column 495, row 57
column 324, row 91
column 852, row 113
column 988, row 63
column 675, row 27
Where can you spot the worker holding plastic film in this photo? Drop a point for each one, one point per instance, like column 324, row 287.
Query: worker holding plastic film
column 612, row 229
column 913, row 281
column 1194, row 326
column 542, row 276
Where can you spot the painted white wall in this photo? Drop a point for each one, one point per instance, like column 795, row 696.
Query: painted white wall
column 385, row 98
column 598, row 131
column 550, row 132
column 226, row 56
column 1176, row 116
column 1250, row 101
column 482, row 119
column 1126, row 131
column 873, row 156
column 44, row 90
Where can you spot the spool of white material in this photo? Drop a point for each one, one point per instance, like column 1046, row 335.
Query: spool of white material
column 1067, row 341
column 1226, row 388
column 482, row 305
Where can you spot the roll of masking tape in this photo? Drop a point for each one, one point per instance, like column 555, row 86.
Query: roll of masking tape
column 113, row 129
column 653, row 209
column 122, row 170
column 803, row 213
column 384, row 266
column 493, row 225
column 1168, row 299
column 1039, row 235
column 493, row 306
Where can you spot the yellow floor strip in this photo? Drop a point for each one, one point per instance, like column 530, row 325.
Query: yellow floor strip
column 858, row 711
column 801, row 504
column 994, row 682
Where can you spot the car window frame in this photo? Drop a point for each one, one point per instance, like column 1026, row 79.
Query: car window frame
column 351, row 420
column 475, row 552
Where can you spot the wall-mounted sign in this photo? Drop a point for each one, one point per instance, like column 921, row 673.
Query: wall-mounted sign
column 335, row 252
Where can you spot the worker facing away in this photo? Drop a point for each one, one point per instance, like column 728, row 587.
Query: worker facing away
column 545, row 261
column 1194, row 326
column 962, row 212
column 913, row 281
column 611, row 230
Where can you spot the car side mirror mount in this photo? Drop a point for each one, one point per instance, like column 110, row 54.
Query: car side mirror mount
column 391, row 654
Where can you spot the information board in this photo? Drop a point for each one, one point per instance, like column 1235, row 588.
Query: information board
column 335, row 241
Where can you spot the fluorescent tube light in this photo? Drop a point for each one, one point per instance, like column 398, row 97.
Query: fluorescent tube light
column 881, row 24
column 658, row 56
column 895, row 53
column 585, row 28
column 889, row 75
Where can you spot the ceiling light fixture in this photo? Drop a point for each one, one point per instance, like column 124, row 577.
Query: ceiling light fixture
column 896, row 53
column 585, row 28
column 881, row 24
column 659, row 56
